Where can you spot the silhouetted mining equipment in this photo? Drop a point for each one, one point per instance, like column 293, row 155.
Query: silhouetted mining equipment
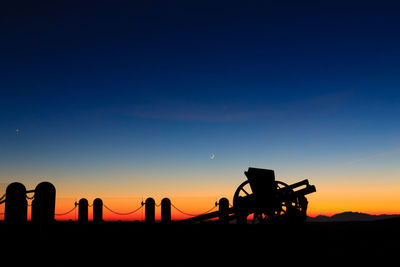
column 266, row 199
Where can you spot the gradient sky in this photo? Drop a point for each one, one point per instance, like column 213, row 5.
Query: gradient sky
column 129, row 99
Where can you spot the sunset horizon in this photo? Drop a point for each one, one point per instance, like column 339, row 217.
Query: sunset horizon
column 204, row 201
column 130, row 100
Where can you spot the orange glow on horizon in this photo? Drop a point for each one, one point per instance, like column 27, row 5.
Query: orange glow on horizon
column 372, row 197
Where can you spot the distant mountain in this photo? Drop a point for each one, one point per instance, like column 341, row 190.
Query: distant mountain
column 350, row 216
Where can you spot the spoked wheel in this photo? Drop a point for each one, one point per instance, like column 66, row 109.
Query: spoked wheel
column 243, row 199
column 243, row 190
column 281, row 206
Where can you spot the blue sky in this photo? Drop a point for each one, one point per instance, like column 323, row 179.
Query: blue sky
column 98, row 88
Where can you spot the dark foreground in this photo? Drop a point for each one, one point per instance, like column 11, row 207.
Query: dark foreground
column 136, row 244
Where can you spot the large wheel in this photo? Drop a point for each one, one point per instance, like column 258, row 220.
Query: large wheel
column 243, row 201
column 243, row 190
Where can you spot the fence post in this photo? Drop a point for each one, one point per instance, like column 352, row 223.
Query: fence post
column 223, row 210
column 165, row 210
column 83, row 210
column 97, row 210
column 44, row 203
column 16, row 206
column 149, row 214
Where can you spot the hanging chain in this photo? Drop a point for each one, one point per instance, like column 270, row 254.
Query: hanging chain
column 193, row 215
column 124, row 213
column 65, row 213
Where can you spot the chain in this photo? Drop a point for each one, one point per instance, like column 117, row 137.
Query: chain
column 62, row 214
column 124, row 213
column 193, row 215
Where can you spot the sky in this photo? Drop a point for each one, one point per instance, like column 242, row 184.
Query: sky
column 126, row 100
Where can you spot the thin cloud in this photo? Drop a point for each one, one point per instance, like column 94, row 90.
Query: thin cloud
column 196, row 112
column 376, row 155
column 182, row 110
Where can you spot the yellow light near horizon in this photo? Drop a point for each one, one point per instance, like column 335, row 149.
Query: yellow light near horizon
column 373, row 198
column 335, row 193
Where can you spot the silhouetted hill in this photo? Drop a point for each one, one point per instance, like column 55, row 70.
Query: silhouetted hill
column 350, row 216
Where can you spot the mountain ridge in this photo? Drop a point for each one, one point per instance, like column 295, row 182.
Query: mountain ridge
column 351, row 216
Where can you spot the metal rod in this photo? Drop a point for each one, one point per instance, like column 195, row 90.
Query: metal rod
column 301, row 183
column 206, row 216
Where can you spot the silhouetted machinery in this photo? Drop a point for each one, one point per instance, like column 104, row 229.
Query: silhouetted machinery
column 270, row 200
column 266, row 199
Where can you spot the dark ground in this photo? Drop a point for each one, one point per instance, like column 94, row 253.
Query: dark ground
column 136, row 244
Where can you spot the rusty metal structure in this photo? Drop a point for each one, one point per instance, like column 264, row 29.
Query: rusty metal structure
column 265, row 199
